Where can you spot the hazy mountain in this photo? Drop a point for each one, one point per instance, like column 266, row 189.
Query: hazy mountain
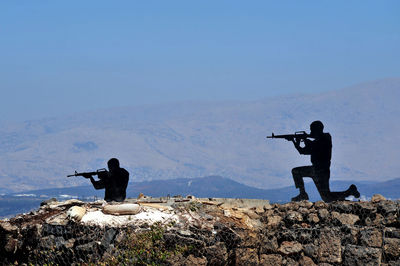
column 193, row 139
column 211, row 186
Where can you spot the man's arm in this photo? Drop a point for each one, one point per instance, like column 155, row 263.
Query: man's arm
column 303, row 150
column 96, row 184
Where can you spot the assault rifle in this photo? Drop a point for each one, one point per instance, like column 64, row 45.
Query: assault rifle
column 100, row 173
column 298, row 136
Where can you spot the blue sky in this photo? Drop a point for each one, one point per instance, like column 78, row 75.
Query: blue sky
column 59, row 57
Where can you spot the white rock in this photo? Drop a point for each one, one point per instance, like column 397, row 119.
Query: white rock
column 76, row 213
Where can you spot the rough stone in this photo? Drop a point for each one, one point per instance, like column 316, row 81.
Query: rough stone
column 76, row 213
column 249, row 239
column 52, row 242
column 391, row 219
column 293, row 217
column 357, row 255
column 11, row 245
column 377, row 198
column 227, row 235
column 246, row 256
column 378, row 219
column 8, row 228
column 323, row 213
column 342, row 206
column 304, row 211
column 252, row 214
column 386, row 207
column 351, row 234
column 108, row 237
column 192, row 260
column 371, row 237
column 320, row 204
column 392, row 232
column 285, row 207
column 270, row 260
column 313, row 218
column 274, row 221
column 290, row 261
column 330, row 249
column 311, row 250
column 347, row 219
column 49, row 201
column 269, row 244
column 288, row 248
column 306, row 204
column 392, row 247
column 259, row 210
column 306, row 261
column 217, row 254
column 88, row 248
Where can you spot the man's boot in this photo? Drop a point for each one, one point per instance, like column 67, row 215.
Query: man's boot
column 301, row 196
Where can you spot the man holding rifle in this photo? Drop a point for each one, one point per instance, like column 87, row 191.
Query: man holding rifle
column 114, row 181
column 320, row 150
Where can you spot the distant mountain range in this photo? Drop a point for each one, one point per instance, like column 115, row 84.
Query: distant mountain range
column 211, row 186
column 187, row 140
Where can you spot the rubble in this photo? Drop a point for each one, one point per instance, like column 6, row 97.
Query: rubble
column 178, row 231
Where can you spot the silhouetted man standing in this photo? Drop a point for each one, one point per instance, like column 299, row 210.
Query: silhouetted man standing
column 320, row 150
column 115, row 181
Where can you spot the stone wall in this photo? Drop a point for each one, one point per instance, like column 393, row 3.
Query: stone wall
column 209, row 233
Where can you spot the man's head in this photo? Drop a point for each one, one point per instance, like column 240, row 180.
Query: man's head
column 317, row 128
column 113, row 164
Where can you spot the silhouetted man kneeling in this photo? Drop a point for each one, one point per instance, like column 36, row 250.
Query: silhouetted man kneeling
column 115, row 181
column 320, row 150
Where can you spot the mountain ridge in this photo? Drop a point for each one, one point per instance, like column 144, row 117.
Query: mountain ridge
column 226, row 139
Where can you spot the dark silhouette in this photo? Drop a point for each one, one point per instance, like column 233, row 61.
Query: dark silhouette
column 114, row 181
column 320, row 150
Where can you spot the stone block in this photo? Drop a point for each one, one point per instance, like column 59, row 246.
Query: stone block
column 330, row 249
column 274, row 221
column 192, row 260
column 270, row 260
column 362, row 256
column 323, row 213
column 246, row 256
column 392, row 247
column 347, row 219
column 217, row 254
column 306, row 261
column 289, row 248
column 269, row 244
column 371, row 237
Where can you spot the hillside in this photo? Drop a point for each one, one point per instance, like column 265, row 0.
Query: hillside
column 186, row 140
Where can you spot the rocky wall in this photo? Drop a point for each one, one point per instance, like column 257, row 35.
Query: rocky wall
column 304, row 233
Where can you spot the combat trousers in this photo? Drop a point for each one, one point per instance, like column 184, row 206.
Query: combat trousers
column 320, row 177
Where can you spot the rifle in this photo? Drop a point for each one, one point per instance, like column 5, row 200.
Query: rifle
column 299, row 135
column 100, row 173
